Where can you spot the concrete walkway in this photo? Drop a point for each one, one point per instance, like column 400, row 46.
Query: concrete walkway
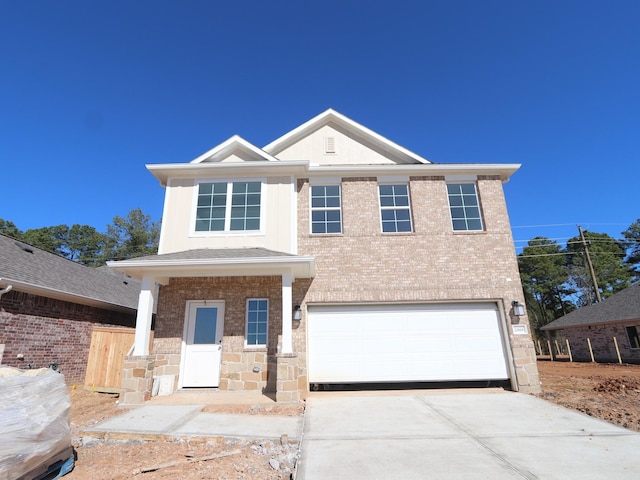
column 451, row 435
column 188, row 421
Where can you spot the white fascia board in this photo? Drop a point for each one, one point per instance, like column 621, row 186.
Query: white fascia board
column 300, row 266
column 163, row 172
column 432, row 169
column 64, row 296
column 361, row 131
column 227, row 147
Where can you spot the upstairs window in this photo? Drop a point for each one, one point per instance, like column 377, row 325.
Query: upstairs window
column 464, row 206
column 326, row 214
column 395, row 209
column 257, row 321
column 228, row 206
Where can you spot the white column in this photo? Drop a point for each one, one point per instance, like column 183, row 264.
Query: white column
column 287, row 336
column 145, row 313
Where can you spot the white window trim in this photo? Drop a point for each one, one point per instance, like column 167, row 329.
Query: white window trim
column 227, row 233
column 246, row 325
column 482, row 224
column 381, row 208
column 312, row 209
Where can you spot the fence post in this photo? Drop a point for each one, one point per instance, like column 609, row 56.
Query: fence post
column 569, row 349
column 615, row 342
column 590, row 350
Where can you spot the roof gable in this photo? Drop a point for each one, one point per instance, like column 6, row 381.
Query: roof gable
column 341, row 125
column 235, row 149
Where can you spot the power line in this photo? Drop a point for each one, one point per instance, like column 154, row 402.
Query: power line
column 570, row 225
column 621, row 254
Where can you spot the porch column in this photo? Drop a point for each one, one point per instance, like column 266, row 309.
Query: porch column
column 287, row 312
column 145, row 313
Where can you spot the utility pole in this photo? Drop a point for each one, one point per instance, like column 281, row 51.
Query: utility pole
column 588, row 257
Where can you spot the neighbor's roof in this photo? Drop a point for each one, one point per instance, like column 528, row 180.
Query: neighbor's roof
column 213, row 262
column 32, row 270
column 624, row 306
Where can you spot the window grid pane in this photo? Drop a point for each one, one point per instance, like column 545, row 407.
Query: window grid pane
column 326, row 215
column 214, row 211
column 395, row 208
column 257, row 321
column 464, row 206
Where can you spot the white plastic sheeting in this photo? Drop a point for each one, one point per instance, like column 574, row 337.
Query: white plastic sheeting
column 34, row 419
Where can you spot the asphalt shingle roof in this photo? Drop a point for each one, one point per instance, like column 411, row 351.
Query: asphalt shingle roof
column 24, row 263
column 622, row 307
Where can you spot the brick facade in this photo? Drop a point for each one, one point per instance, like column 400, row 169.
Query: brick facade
column 46, row 330
column 243, row 368
column 602, row 344
column 432, row 264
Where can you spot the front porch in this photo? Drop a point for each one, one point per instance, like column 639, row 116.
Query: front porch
column 241, row 358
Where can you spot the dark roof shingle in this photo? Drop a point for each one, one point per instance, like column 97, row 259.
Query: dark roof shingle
column 624, row 306
column 27, row 264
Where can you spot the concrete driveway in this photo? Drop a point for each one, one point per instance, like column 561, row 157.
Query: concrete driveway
column 452, row 435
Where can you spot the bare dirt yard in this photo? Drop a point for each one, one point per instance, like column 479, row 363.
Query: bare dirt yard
column 152, row 460
column 608, row 392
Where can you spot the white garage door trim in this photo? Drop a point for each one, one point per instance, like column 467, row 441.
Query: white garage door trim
column 405, row 343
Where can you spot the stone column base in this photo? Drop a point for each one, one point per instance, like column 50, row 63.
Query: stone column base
column 289, row 378
column 137, row 379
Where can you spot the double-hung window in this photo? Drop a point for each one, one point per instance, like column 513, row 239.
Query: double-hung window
column 326, row 214
column 228, row 206
column 464, row 206
column 395, row 208
column 257, row 322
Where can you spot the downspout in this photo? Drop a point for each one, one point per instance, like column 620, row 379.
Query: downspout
column 6, row 290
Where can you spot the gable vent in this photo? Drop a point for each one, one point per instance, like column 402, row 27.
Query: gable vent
column 329, row 144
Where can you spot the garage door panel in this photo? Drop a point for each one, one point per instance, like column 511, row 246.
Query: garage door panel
column 405, row 343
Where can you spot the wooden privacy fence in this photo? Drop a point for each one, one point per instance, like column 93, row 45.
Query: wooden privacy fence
column 109, row 347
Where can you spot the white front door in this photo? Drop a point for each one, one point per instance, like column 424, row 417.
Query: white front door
column 202, row 349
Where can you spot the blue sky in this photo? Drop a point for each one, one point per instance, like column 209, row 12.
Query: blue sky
column 90, row 92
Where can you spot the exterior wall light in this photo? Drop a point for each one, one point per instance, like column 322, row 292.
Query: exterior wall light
column 518, row 308
column 297, row 313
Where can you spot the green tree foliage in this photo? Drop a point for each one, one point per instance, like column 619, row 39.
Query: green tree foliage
column 9, row 229
column 51, row 239
column 632, row 236
column 84, row 244
column 607, row 256
column 132, row 236
column 545, row 280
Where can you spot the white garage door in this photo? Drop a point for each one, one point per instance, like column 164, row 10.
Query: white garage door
column 407, row 343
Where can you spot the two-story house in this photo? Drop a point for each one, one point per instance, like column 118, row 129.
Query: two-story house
column 331, row 255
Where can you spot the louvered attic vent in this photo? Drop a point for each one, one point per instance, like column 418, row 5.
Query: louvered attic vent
column 329, row 145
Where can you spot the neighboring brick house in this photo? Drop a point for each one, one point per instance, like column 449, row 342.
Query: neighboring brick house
column 49, row 305
column 615, row 317
column 331, row 255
